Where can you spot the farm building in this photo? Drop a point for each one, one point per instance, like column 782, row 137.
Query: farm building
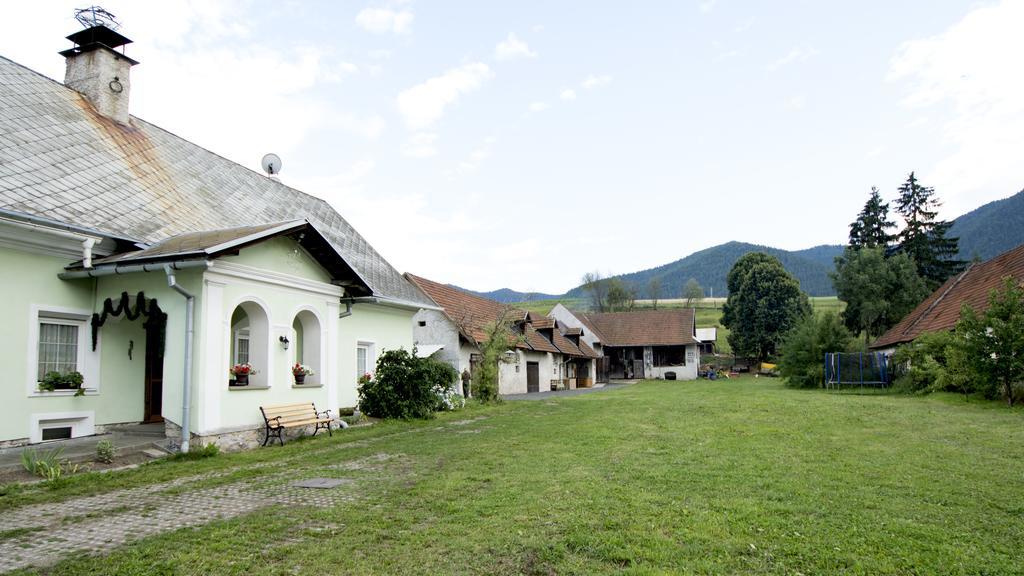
column 641, row 344
column 545, row 355
column 941, row 310
column 151, row 266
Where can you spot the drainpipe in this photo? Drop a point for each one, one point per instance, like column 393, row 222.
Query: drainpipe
column 347, row 312
column 87, row 245
column 189, row 332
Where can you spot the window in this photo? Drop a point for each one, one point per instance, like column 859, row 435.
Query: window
column 366, row 358
column 59, row 341
column 423, row 323
column 242, row 347
column 362, row 352
column 58, row 346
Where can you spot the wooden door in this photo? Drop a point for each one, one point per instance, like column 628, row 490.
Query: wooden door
column 154, row 383
column 532, row 377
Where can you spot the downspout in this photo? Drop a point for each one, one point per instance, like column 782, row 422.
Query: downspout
column 186, row 401
column 87, row 245
column 347, row 312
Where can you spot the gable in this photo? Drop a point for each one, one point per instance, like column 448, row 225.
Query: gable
column 282, row 255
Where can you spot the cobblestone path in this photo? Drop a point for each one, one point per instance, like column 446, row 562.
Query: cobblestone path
column 95, row 524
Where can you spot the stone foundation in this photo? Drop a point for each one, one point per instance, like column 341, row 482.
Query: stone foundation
column 234, row 439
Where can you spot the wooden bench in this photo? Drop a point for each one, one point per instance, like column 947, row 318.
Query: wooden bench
column 278, row 418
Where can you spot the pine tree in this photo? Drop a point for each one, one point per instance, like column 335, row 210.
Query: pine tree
column 924, row 238
column 870, row 229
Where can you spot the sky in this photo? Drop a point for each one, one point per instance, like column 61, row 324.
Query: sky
column 523, row 144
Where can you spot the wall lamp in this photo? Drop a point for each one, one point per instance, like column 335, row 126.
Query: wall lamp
column 284, row 341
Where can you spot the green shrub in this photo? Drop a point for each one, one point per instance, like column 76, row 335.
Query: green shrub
column 105, row 451
column 803, row 350
column 921, row 365
column 405, row 386
column 47, row 464
column 198, row 452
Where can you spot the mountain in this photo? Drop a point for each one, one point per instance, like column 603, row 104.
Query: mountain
column 992, row 229
column 507, row 296
column 710, row 267
column 984, row 233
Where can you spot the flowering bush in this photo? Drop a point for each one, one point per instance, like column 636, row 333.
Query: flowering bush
column 242, row 370
column 405, row 386
column 302, row 370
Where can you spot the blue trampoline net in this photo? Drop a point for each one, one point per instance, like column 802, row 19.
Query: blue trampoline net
column 857, row 369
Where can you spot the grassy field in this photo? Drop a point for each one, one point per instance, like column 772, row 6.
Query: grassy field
column 725, row 477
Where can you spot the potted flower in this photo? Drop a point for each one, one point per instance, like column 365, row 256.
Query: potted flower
column 56, row 381
column 241, row 373
column 300, row 371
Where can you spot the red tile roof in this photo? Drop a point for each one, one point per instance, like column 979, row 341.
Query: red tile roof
column 472, row 314
column 941, row 310
column 644, row 328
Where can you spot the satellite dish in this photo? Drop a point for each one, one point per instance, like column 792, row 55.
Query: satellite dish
column 271, row 164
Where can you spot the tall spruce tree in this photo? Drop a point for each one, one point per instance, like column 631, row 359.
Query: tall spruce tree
column 924, row 238
column 870, row 229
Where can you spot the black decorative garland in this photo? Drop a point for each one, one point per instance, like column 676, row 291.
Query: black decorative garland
column 156, row 319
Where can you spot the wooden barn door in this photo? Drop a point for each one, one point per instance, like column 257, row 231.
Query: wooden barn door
column 532, row 377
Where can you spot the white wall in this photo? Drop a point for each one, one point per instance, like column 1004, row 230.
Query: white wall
column 562, row 314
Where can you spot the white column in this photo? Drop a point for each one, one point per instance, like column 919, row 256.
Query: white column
column 215, row 348
column 331, row 352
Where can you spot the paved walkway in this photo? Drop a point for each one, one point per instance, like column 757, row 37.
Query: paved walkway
column 127, row 439
column 558, row 393
column 44, row 534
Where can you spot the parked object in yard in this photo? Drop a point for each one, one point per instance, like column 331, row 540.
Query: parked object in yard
column 301, row 414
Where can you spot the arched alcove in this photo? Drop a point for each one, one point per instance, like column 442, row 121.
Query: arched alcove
column 308, row 338
column 250, row 340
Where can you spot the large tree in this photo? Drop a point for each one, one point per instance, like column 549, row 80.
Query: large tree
column 620, row 296
column 596, row 288
column 878, row 291
column 693, row 292
column 654, row 290
column 924, row 238
column 765, row 302
column 871, row 228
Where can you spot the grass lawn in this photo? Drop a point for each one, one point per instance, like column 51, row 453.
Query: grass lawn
column 725, row 477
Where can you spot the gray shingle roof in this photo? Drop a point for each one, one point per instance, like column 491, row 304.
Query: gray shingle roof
column 61, row 160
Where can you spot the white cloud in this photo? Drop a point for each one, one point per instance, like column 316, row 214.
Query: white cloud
column 593, row 81
column 472, row 163
column 964, row 79
column 512, row 48
column 707, row 6
column 798, row 54
column 567, row 94
column 797, row 102
column 537, row 28
column 420, row 145
column 384, row 20
column 425, row 103
column 538, row 106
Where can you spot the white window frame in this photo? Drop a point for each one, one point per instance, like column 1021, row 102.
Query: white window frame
column 242, row 334
column 88, row 360
column 371, row 357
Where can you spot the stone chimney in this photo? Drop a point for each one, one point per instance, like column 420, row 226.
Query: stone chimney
column 100, row 73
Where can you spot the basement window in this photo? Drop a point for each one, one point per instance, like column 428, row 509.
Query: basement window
column 57, row 433
column 423, row 323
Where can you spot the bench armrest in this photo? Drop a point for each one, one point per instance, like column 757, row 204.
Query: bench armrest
column 270, row 421
column 324, row 413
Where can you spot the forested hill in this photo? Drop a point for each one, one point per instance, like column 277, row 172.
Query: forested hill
column 507, row 295
column 992, row 229
column 984, row 233
column 710, row 267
